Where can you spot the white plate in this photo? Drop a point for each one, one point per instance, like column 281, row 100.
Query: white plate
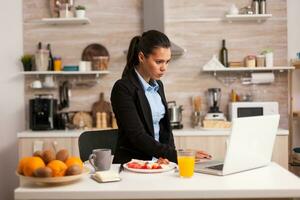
column 166, row 168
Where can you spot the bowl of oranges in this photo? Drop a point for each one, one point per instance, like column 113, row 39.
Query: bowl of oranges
column 50, row 167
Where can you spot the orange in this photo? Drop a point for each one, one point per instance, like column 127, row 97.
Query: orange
column 30, row 164
column 74, row 160
column 21, row 164
column 58, row 168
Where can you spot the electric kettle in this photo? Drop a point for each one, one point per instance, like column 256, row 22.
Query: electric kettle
column 175, row 114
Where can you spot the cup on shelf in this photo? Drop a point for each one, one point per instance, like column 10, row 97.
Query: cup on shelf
column 48, row 82
column 84, row 66
column 36, row 84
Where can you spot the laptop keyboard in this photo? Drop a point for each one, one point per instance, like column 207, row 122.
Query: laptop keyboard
column 217, row 167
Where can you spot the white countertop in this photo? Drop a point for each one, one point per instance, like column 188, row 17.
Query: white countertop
column 178, row 132
column 272, row 181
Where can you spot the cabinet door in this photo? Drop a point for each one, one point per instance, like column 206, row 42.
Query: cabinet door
column 214, row 145
column 28, row 145
column 280, row 151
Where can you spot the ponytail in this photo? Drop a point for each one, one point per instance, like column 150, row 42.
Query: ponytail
column 146, row 44
column 132, row 54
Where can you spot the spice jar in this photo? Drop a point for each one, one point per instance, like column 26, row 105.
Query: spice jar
column 250, row 61
column 260, row 60
column 57, row 63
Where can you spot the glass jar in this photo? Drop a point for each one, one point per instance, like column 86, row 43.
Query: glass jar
column 42, row 60
column 260, row 60
column 250, row 61
column 57, row 63
column 100, row 63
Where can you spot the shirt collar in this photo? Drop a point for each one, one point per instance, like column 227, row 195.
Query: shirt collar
column 153, row 86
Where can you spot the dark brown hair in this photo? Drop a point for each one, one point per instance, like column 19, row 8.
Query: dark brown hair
column 146, row 43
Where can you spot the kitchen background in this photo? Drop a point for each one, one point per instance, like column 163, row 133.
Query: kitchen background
column 195, row 25
column 12, row 119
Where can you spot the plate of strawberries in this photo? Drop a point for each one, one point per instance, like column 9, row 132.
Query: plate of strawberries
column 144, row 166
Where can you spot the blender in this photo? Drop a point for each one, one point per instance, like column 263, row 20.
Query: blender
column 214, row 98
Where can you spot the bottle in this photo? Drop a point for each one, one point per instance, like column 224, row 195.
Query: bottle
column 57, row 63
column 263, row 7
column 224, row 54
column 233, row 96
column 41, row 58
column 255, row 6
column 51, row 60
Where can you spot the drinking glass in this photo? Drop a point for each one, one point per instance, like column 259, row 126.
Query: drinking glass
column 186, row 162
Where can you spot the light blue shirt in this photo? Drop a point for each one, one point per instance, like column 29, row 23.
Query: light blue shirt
column 156, row 105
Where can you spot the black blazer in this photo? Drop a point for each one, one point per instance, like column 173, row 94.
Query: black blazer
column 134, row 119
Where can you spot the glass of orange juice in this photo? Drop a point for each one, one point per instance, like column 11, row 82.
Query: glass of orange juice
column 186, row 162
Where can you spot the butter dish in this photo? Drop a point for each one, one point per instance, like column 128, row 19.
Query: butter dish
column 106, row 176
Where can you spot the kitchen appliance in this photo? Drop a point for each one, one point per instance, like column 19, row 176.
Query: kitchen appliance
column 42, row 111
column 214, row 98
column 64, row 95
column 175, row 114
column 248, row 109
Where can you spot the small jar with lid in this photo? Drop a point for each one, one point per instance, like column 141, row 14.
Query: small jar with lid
column 57, row 63
column 250, row 61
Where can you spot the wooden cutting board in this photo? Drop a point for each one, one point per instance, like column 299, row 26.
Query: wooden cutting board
column 102, row 106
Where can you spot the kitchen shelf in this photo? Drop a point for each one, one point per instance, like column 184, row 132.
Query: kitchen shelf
column 73, row 20
column 65, row 72
column 247, row 17
column 277, row 68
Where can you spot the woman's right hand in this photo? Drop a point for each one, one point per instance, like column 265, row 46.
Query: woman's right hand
column 202, row 155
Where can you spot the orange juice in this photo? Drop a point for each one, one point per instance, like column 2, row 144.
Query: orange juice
column 186, row 166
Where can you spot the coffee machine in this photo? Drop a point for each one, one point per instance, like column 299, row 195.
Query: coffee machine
column 214, row 99
column 42, row 112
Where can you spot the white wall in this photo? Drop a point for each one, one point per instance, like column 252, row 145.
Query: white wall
column 294, row 47
column 11, row 94
column 294, row 44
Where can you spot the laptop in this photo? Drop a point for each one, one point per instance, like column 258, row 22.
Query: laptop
column 249, row 146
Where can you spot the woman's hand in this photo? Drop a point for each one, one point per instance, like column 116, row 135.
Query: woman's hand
column 202, row 155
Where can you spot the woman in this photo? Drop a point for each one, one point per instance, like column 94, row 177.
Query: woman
column 139, row 102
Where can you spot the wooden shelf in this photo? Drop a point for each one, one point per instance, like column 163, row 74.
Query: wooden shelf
column 73, row 20
column 247, row 17
column 277, row 68
column 64, row 72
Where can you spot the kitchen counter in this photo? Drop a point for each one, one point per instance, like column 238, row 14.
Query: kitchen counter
column 178, row 132
column 272, row 181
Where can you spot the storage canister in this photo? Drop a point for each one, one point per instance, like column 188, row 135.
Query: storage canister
column 260, row 60
column 250, row 61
